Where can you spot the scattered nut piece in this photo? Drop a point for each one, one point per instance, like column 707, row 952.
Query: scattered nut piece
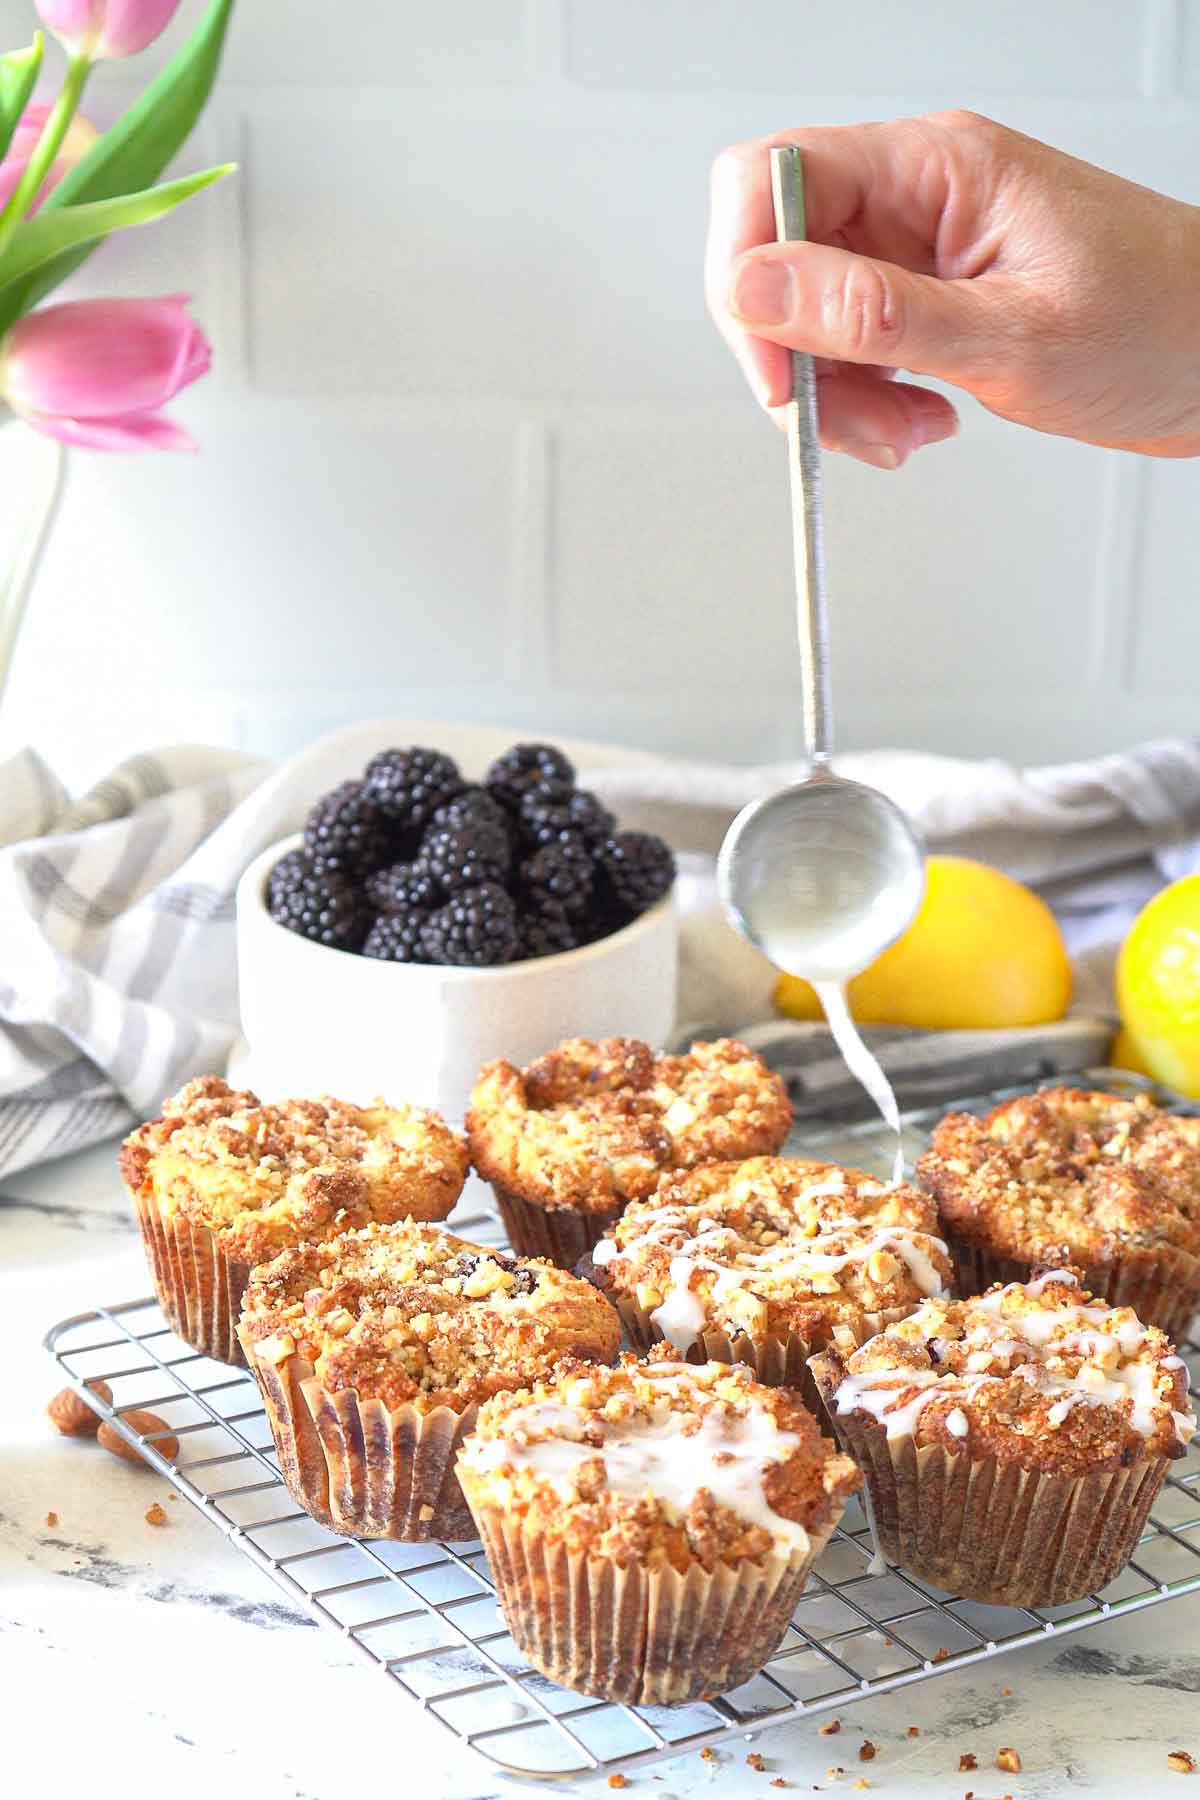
column 967, row 1761
column 617, row 1781
column 755, row 1761
column 1007, row 1693
column 867, row 1751
column 708, row 1754
column 155, row 1515
column 1182, row 1761
column 52, row 1519
column 941, row 1653
column 914, row 1731
column 1009, row 1761
column 145, row 1423
column 779, row 1782
column 829, row 1727
column 71, row 1413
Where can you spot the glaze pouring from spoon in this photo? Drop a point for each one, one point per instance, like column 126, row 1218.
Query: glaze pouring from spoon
column 822, row 876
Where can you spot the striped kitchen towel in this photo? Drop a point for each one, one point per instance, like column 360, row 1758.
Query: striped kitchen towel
column 118, row 975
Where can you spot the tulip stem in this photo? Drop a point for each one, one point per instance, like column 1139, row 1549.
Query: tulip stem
column 46, row 149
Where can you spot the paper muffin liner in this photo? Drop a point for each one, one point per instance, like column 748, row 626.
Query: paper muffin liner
column 561, row 1233
column 358, row 1466
column 992, row 1531
column 645, row 1637
column 198, row 1283
column 1163, row 1289
column 776, row 1361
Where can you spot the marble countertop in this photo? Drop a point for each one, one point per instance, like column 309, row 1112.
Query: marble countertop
column 137, row 1661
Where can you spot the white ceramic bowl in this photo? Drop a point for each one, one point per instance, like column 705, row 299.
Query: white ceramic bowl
column 320, row 1021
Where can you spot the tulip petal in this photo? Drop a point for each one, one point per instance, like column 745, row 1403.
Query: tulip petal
column 100, row 359
column 139, row 431
column 107, row 28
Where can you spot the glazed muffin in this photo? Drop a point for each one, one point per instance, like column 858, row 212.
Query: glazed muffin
column 567, row 1142
column 1012, row 1443
column 1106, row 1183
column 768, row 1260
column 223, row 1181
column 650, row 1527
column 373, row 1350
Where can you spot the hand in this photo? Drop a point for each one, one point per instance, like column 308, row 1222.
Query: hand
column 1057, row 294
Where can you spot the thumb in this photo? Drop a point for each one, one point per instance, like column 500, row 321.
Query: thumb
column 833, row 303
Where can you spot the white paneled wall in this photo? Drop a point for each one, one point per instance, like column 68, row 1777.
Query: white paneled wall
column 472, row 449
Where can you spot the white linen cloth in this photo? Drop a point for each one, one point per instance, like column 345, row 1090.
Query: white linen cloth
column 117, row 951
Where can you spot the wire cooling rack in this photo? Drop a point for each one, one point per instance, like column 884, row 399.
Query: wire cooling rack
column 425, row 1615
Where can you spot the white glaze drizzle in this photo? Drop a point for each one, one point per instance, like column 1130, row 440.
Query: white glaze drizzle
column 659, row 1454
column 1099, row 1382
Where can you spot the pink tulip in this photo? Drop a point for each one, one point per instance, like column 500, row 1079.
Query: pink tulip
column 81, row 135
column 95, row 372
column 106, row 29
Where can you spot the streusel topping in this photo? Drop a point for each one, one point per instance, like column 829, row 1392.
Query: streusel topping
column 1069, row 1175
column 592, row 1124
column 659, row 1462
column 409, row 1313
column 773, row 1246
column 1037, row 1373
column 272, row 1175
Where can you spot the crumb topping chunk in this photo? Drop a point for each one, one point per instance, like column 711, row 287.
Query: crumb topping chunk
column 273, row 1174
column 408, row 1313
column 1069, row 1175
column 1037, row 1372
column 658, row 1461
column 771, row 1246
column 592, row 1124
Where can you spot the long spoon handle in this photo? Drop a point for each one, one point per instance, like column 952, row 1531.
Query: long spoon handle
column 804, row 463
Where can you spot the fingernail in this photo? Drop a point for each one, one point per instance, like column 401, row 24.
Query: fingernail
column 880, row 456
column 761, row 293
column 932, row 421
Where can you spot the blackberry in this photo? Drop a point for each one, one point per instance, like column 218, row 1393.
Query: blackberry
column 475, row 928
column 402, row 887
column 527, row 766
column 473, row 806
column 409, row 785
column 396, row 937
column 346, row 832
column 463, row 856
column 636, row 869
column 559, row 874
column 544, row 815
column 320, row 904
column 547, row 933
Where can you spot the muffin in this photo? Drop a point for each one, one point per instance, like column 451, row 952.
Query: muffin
column 650, row 1526
column 766, row 1261
column 373, row 1350
column 223, row 1181
column 1106, row 1183
column 1012, row 1443
column 567, row 1142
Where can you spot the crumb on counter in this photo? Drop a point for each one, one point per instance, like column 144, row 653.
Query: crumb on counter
column 1182, row 1761
column 829, row 1727
column 867, row 1751
column 617, row 1781
column 967, row 1761
column 755, row 1761
column 52, row 1519
column 1008, row 1760
column 708, row 1754
column 914, row 1731
column 941, row 1653
column 155, row 1515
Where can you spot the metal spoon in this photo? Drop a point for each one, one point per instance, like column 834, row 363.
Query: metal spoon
column 825, row 875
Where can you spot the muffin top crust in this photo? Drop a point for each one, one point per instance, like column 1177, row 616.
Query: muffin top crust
column 1069, row 1175
column 658, row 1462
column 590, row 1125
column 409, row 1314
column 267, row 1176
column 773, row 1246
column 1036, row 1373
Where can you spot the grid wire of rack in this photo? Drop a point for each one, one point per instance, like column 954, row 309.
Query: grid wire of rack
column 425, row 1615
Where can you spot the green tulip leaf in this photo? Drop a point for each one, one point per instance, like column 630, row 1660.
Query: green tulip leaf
column 18, row 73
column 39, row 240
column 130, row 156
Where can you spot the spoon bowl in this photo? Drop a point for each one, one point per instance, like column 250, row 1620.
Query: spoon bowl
column 822, row 876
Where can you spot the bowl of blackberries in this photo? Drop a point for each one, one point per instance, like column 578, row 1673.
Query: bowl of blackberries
column 425, row 922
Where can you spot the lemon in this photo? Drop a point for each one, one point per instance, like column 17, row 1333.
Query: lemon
column 1158, row 986
column 1123, row 1053
column 983, row 951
